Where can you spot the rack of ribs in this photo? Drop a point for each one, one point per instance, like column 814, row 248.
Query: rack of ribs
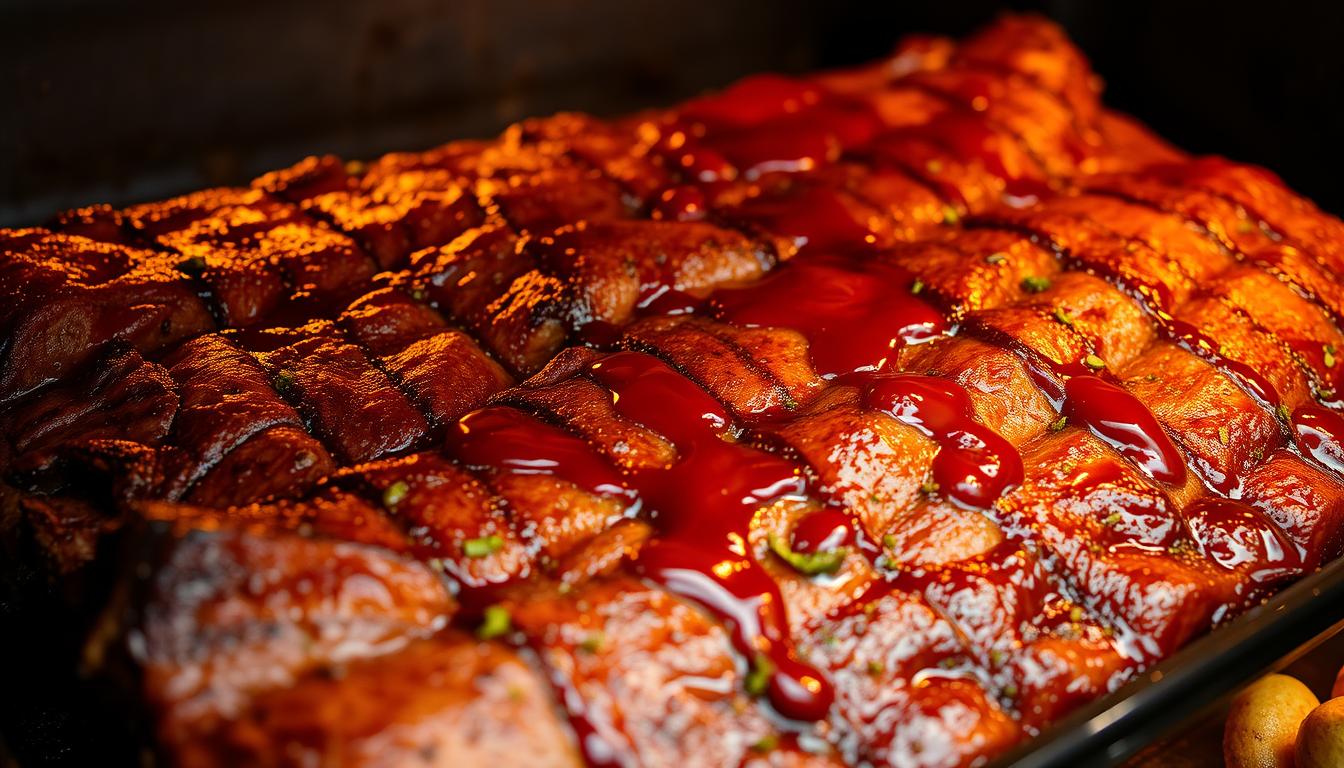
column 880, row 416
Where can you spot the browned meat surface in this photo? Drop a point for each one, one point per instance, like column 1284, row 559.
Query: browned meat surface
column 879, row 417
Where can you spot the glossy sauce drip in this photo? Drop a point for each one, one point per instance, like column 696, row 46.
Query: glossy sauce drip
column 854, row 313
column 509, row 440
column 812, row 216
column 821, row 531
column 1191, row 339
column 1320, row 432
column 703, row 505
column 1094, row 401
column 1238, row 536
column 768, row 123
column 974, row 465
column 1317, row 437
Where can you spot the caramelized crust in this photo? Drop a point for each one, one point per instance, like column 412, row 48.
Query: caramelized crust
column 877, row 417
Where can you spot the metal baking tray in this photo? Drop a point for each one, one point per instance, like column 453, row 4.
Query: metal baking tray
column 415, row 72
column 1265, row 638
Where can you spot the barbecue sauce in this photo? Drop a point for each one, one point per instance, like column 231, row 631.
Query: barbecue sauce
column 974, row 465
column 856, row 314
column 703, row 506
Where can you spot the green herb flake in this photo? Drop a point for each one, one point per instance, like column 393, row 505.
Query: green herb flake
column 1112, row 520
column 758, row 677
column 766, row 743
column 1325, row 393
column 1035, row 283
column 876, row 668
column 1150, row 377
column 192, row 265
column 997, row 657
column 996, row 258
column 1094, row 362
column 1010, row 691
column 285, row 380
column 592, row 643
column 889, row 541
column 1224, row 436
column 950, row 215
column 810, row 563
column 917, row 287
column 1329, row 351
column 496, row 622
column 1059, row 424
column 1282, row 412
column 1062, row 316
column 929, row 487
column 1076, row 614
column 394, row 493
column 482, row 547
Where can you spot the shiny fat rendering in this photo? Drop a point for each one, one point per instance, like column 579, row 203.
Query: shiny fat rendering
column 879, row 417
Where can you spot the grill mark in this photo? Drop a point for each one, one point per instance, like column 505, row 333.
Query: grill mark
column 1227, row 247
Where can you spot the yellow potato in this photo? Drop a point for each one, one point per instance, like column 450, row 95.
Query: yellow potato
column 1261, row 730
column 1320, row 740
column 1338, row 690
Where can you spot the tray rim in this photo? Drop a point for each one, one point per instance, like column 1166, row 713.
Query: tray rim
column 1265, row 638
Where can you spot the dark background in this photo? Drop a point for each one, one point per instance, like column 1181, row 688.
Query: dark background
column 141, row 98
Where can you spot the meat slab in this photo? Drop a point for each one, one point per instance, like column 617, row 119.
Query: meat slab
column 876, row 417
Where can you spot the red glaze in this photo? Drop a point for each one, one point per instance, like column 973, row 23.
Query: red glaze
column 813, row 216
column 771, row 123
column 683, row 203
column 1137, row 518
column 752, row 101
column 1238, row 536
column 703, row 505
column 855, row 313
column 1199, row 343
column 974, row 465
column 510, row 440
column 1120, row 419
column 1320, row 432
column 967, row 136
column 821, row 531
column 1092, row 400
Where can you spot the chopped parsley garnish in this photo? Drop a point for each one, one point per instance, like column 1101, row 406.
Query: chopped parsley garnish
column 1062, row 315
column 1094, row 362
column 811, row 563
column 950, row 215
column 766, row 743
column 592, row 643
column 996, row 258
column 758, row 677
column 483, row 546
column 192, row 265
column 495, row 622
column 1035, row 283
column 394, row 493
column 1059, row 423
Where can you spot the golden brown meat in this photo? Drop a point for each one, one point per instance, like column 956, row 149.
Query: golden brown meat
column 882, row 416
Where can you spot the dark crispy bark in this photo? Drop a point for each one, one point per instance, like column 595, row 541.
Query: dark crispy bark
column 300, row 505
